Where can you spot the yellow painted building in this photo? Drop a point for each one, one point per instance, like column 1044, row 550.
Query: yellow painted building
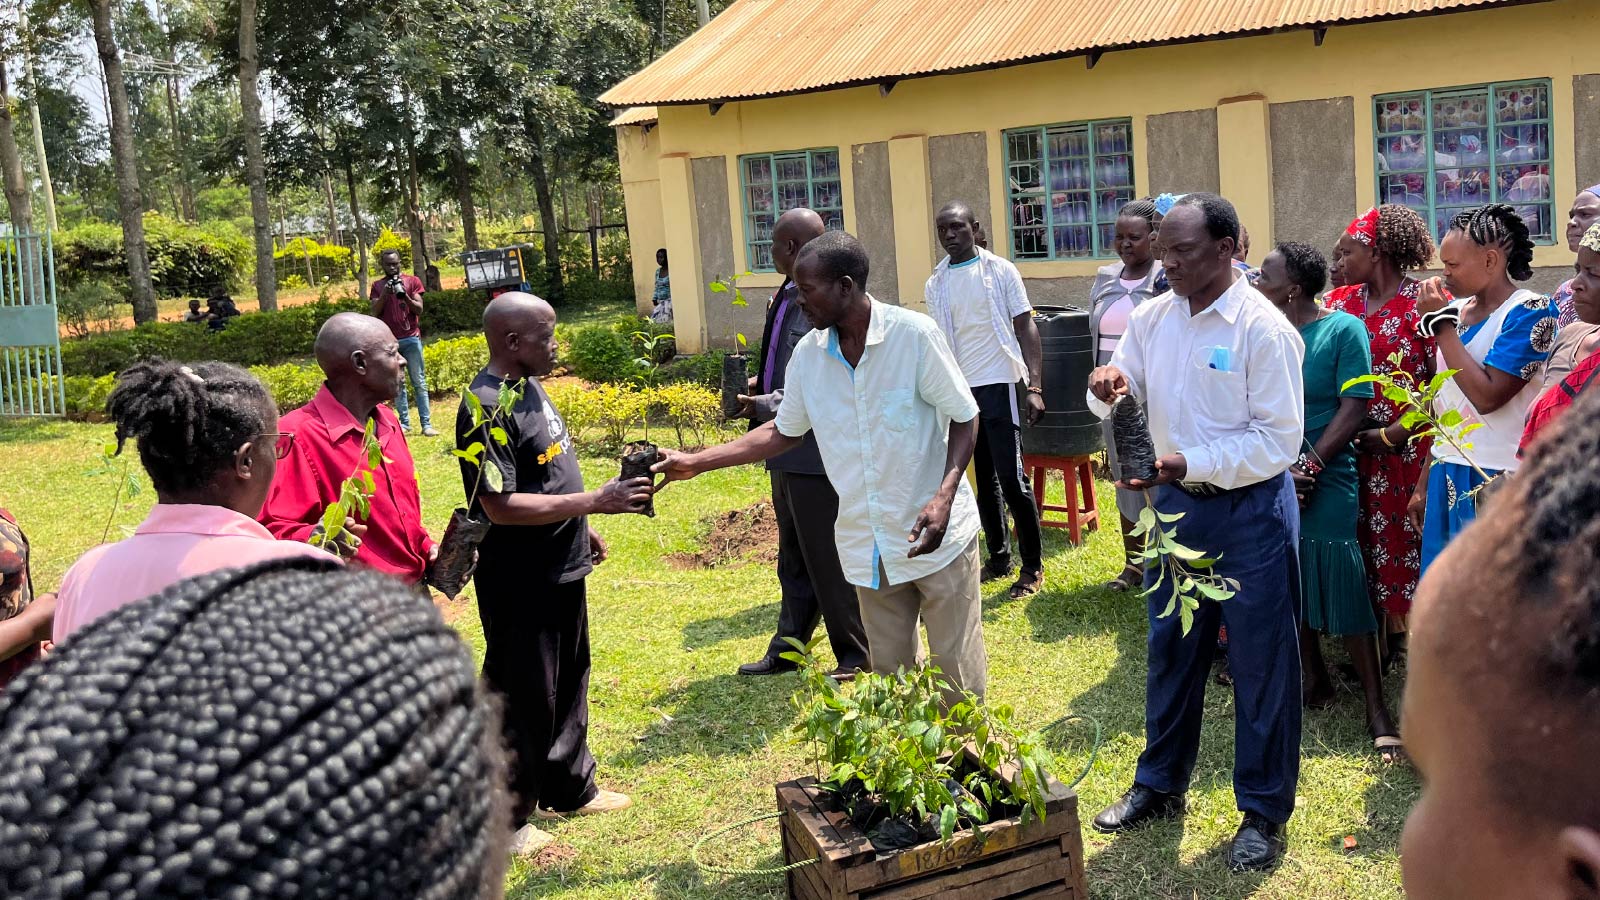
column 1300, row 122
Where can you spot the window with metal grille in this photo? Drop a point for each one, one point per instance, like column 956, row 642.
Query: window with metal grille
column 1065, row 184
column 1446, row 150
column 774, row 183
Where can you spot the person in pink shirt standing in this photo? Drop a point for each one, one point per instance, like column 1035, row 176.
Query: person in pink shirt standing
column 208, row 437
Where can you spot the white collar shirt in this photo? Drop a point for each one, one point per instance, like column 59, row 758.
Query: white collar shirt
column 1224, row 388
column 883, row 428
column 1008, row 298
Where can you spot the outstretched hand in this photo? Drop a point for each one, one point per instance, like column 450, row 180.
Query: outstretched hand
column 675, row 465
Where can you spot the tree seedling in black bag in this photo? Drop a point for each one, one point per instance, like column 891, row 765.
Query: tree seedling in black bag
column 735, row 366
column 1183, row 572
column 458, row 549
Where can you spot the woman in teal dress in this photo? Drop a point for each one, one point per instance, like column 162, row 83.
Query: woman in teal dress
column 1333, row 581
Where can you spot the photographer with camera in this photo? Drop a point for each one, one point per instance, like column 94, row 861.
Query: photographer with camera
column 397, row 300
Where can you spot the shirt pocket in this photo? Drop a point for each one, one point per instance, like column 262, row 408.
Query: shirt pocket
column 899, row 409
column 1220, row 397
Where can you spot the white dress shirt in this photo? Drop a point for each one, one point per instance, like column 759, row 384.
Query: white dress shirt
column 1223, row 388
column 883, row 428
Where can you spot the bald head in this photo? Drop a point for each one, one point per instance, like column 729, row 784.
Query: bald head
column 345, row 334
column 793, row 230
column 520, row 330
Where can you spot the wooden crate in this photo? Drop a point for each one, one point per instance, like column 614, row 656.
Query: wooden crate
column 1003, row 860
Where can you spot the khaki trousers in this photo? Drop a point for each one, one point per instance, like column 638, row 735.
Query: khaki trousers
column 952, row 609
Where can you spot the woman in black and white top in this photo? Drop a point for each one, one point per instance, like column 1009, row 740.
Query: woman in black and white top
column 1118, row 289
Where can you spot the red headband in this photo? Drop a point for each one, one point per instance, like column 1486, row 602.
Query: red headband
column 1365, row 228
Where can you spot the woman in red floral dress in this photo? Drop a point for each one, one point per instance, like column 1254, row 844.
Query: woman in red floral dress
column 1375, row 253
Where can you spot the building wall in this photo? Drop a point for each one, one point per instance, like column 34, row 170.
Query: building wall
column 638, row 146
column 1313, row 172
column 723, row 320
column 1287, row 103
column 874, row 217
column 958, row 169
column 1181, row 149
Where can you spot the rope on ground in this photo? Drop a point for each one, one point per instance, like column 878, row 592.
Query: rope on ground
column 728, row 870
column 1094, row 748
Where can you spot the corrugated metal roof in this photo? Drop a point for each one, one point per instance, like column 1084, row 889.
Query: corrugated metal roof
column 635, row 115
column 761, row 48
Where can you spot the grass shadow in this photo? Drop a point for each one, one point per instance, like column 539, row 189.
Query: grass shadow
column 671, row 880
column 720, row 716
column 754, row 621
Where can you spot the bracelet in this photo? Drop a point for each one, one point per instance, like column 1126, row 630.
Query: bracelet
column 1036, row 390
column 1383, row 435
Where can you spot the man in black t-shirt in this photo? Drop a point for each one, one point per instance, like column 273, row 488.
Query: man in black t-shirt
column 531, row 568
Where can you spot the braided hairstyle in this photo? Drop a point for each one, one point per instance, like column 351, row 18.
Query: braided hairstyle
column 1519, row 625
column 1498, row 225
column 188, row 419
column 1139, row 209
column 293, row 729
column 1403, row 237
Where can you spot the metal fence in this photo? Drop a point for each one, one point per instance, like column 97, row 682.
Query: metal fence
column 30, row 338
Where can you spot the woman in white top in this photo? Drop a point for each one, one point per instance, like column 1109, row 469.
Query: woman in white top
column 1497, row 338
column 1118, row 289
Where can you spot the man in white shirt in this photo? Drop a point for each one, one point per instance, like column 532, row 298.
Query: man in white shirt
column 1219, row 371
column 880, row 390
column 981, row 305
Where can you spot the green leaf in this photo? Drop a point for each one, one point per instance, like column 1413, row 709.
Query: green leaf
column 1147, row 517
column 718, row 287
column 333, row 521
column 1397, row 395
column 493, row 478
column 1411, row 419
column 476, row 406
column 1359, row 379
column 499, row 435
column 1450, row 418
column 739, row 300
column 1187, row 554
column 947, row 822
column 1213, row 591
column 1168, row 518
column 1185, row 620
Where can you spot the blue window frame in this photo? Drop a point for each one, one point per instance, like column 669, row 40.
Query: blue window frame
column 1442, row 151
column 774, row 183
column 1065, row 184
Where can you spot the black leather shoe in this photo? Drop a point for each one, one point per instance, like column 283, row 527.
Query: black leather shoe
column 767, row 665
column 1138, row 807
column 1258, row 844
column 992, row 571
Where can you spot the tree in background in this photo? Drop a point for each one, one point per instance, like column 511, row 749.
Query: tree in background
column 255, row 167
column 124, row 160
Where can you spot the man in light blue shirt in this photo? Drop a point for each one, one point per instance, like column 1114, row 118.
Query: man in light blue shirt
column 895, row 422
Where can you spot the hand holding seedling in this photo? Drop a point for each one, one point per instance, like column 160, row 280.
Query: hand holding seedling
column 622, row 496
column 1170, row 468
column 674, row 465
column 346, row 544
column 1107, row 382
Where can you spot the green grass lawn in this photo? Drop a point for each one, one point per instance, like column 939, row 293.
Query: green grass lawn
column 697, row 746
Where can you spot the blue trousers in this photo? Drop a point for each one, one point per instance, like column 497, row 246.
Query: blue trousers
column 411, row 349
column 1255, row 532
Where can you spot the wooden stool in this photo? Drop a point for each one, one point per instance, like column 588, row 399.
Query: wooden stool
column 1078, row 472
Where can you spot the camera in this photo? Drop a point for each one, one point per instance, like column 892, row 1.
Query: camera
column 397, row 286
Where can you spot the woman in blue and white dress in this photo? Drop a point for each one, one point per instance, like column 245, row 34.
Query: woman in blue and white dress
column 1118, row 289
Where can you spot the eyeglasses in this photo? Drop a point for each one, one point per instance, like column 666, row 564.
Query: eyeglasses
column 285, row 442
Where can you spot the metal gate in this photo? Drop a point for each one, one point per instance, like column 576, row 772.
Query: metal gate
column 30, row 338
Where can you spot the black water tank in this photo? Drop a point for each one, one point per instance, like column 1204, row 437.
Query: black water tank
column 1068, row 428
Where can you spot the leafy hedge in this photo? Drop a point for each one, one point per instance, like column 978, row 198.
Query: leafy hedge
column 253, row 339
column 329, row 262
column 185, row 259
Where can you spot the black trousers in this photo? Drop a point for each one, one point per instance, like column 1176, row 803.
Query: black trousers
column 537, row 658
column 997, row 463
column 813, row 584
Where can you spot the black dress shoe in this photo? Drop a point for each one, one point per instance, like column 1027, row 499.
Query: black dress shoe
column 1138, row 807
column 992, row 571
column 767, row 665
column 1258, row 844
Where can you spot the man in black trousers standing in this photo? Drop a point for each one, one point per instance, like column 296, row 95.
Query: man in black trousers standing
column 803, row 500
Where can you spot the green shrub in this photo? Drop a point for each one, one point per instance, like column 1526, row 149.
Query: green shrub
column 329, row 262
column 292, row 386
column 601, row 355
column 88, row 306
column 388, row 240
column 451, row 365
column 259, row 338
column 583, row 289
column 185, row 259
column 86, row 397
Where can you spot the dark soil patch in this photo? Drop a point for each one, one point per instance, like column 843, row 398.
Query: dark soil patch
column 553, row 856
column 733, row 538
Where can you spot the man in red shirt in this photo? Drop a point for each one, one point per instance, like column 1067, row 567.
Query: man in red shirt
column 397, row 300
column 362, row 364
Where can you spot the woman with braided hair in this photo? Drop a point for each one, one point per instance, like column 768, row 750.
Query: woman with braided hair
column 1501, row 719
column 291, row 729
column 1375, row 257
column 208, row 438
column 1496, row 338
